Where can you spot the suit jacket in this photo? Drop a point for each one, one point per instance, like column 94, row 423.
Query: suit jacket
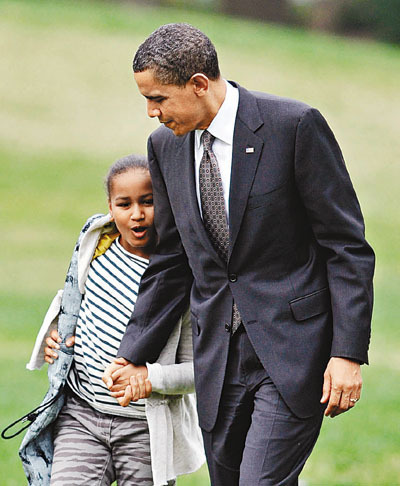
column 299, row 268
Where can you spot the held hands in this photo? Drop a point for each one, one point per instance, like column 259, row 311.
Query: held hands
column 53, row 343
column 342, row 386
column 126, row 381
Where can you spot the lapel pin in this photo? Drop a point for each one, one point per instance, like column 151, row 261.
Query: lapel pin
column 249, row 150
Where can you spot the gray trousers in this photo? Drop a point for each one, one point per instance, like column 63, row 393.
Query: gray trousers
column 257, row 441
column 92, row 448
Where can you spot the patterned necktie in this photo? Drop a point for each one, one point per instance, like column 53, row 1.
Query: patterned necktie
column 213, row 207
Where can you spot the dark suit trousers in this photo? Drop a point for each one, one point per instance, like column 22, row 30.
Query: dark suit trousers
column 256, row 441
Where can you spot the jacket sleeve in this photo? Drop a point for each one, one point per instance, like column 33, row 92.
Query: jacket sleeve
column 337, row 223
column 165, row 286
column 176, row 378
column 49, row 323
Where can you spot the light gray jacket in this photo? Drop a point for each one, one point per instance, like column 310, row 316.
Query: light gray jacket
column 175, row 438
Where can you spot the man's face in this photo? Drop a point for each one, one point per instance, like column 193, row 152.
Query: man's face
column 179, row 108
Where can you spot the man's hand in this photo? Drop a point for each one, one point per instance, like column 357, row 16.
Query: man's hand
column 342, row 386
column 121, row 377
column 138, row 388
column 117, row 364
column 126, row 381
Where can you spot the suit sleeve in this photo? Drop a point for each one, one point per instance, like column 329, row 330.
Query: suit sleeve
column 337, row 223
column 165, row 286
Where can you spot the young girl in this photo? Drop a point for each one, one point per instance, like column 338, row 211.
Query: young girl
column 85, row 437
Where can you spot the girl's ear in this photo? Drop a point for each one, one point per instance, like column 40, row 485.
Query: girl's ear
column 110, row 210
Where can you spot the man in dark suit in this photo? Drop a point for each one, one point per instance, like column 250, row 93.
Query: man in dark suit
column 260, row 229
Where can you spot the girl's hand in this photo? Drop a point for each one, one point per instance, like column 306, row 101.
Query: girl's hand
column 53, row 343
column 121, row 376
column 138, row 388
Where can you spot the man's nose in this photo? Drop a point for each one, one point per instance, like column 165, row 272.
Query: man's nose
column 152, row 110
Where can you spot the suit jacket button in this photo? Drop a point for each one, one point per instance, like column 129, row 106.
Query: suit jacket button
column 232, row 277
column 227, row 327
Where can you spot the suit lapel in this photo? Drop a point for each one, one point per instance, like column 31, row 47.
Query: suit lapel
column 246, row 154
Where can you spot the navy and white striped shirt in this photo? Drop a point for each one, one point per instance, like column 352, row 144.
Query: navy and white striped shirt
column 111, row 290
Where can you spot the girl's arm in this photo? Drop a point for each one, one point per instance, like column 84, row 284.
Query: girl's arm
column 173, row 379
column 176, row 379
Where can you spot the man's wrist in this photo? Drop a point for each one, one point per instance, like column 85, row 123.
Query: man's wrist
column 355, row 360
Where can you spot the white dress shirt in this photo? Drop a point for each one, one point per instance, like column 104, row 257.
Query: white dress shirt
column 221, row 128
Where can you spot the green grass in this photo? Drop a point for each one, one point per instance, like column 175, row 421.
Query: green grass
column 69, row 107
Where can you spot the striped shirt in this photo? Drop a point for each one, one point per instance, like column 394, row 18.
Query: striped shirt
column 111, row 290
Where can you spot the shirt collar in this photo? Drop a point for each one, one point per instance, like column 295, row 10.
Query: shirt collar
column 223, row 124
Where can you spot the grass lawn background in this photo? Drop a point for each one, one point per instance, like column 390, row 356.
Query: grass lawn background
column 70, row 107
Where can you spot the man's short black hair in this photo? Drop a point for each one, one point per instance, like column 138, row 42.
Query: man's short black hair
column 175, row 52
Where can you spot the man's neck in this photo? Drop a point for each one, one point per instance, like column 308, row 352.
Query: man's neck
column 217, row 96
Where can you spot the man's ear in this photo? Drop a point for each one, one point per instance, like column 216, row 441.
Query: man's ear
column 200, row 83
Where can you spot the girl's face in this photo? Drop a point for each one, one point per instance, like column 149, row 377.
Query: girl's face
column 131, row 207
